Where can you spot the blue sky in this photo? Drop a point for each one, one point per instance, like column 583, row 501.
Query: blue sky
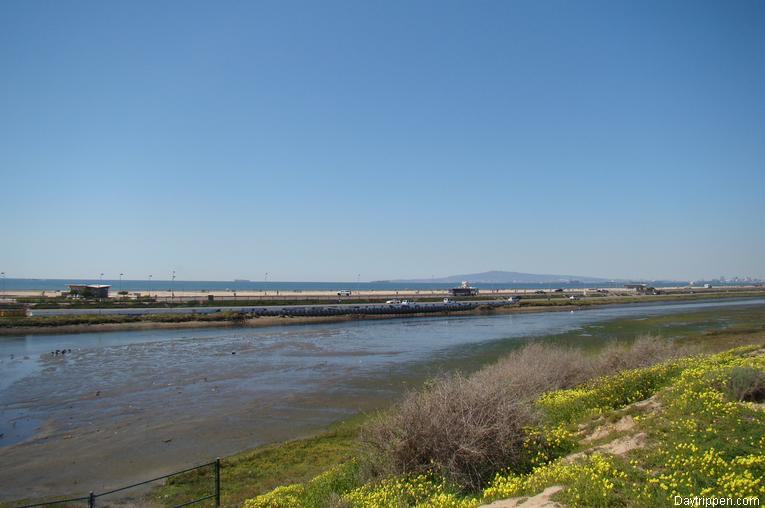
column 321, row 140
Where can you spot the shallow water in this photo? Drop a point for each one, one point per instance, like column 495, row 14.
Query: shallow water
column 163, row 399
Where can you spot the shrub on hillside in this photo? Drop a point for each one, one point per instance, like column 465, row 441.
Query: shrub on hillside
column 746, row 384
column 467, row 428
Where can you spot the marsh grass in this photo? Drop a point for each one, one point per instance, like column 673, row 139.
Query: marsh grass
column 255, row 472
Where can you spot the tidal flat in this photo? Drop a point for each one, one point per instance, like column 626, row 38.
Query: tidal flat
column 125, row 406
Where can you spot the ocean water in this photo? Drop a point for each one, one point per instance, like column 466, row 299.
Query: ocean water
column 244, row 285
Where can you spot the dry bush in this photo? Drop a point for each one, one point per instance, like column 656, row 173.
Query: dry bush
column 462, row 428
column 467, row 428
column 746, row 384
column 537, row 368
column 644, row 351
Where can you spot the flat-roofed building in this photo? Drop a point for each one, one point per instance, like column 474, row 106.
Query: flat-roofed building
column 89, row 290
column 641, row 288
column 464, row 290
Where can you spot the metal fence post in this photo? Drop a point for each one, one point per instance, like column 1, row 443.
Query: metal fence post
column 217, row 483
column 91, row 500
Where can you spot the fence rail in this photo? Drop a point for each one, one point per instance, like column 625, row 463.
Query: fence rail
column 93, row 497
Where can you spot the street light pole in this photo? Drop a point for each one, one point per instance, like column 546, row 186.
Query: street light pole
column 120, row 287
column 172, row 288
column 2, row 274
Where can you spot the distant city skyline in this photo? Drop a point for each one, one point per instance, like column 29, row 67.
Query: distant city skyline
column 344, row 141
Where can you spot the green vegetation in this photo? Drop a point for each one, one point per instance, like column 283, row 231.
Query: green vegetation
column 352, row 475
column 700, row 441
column 562, row 298
column 93, row 319
column 254, row 472
column 697, row 441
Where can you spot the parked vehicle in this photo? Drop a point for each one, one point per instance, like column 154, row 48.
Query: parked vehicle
column 395, row 301
column 447, row 300
column 344, row 292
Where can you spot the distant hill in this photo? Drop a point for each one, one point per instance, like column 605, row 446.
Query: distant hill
column 498, row 276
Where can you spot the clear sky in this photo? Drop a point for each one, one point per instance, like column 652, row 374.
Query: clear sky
column 323, row 140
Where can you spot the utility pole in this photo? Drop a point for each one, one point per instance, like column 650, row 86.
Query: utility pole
column 172, row 288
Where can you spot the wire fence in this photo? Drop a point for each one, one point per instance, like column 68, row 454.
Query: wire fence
column 91, row 500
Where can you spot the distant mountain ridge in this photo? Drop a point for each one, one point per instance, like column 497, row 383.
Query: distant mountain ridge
column 499, row 276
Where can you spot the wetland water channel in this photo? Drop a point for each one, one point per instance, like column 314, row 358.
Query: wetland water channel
column 125, row 406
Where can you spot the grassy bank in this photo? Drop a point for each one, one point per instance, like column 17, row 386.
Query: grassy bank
column 251, row 473
column 701, row 433
column 246, row 475
column 97, row 319
column 606, row 300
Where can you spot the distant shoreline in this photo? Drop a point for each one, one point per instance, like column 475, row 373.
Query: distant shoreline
column 36, row 286
column 266, row 321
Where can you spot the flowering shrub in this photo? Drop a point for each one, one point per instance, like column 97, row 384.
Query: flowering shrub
column 281, row 497
column 610, row 392
column 710, row 445
column 421, row 491
column 589, row 483
column 547, row 443
column 316, row 492
column 707, row 444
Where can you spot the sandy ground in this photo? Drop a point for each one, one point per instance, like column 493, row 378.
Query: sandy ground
column 541, row 500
